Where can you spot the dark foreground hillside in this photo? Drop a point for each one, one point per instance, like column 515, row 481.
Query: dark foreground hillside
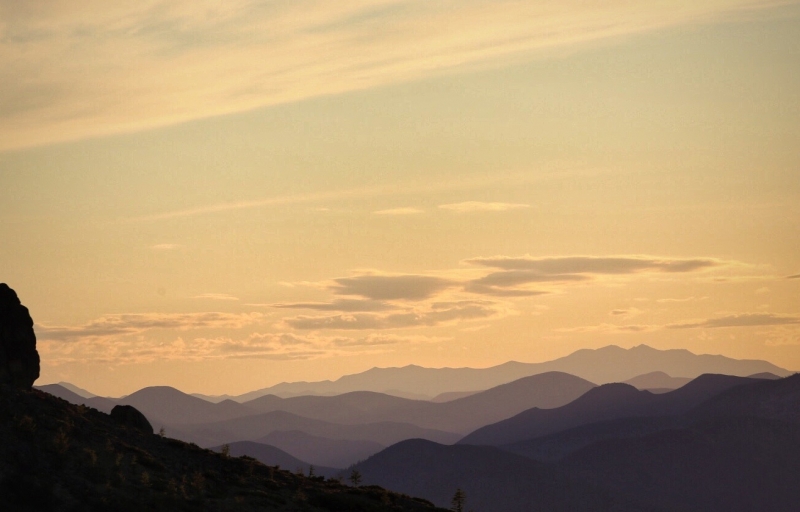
column 56, row 456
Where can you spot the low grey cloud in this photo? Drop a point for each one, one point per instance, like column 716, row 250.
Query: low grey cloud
column 126, row 324
column 344, row 305
column 438, row 314
column 504, row 283
column 595, row 265
column 391, row 287
column 742, row 320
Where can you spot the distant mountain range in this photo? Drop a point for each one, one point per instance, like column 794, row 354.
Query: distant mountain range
column 737, row 449
column 601, row 366
column 544, row 415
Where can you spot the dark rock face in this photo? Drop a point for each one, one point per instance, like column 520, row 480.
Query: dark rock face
column 130, row 416
column 19, row 360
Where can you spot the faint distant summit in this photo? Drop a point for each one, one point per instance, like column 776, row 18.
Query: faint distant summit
column 19, row 360
column 646, row 366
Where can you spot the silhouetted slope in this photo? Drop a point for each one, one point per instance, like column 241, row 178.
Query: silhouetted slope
column 606, row 402
column 494, row 481
column 603, row 365
column 173, row 406
column 56, row 456
column 556, row 446
column 337, row 453
column 657, row 380
column 75, row 389
column 250, row 428
column 719, row 396
column 462, row 415
column 101, row 404
column 774, row 399
column 273, row 456
column 742, row 464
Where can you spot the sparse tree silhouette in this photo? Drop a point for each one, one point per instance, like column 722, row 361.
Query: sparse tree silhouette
column 226, row 450
column 355, row 478
column 457, row 503
column 311, row 470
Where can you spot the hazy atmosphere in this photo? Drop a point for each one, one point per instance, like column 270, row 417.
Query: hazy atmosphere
column 223, row 196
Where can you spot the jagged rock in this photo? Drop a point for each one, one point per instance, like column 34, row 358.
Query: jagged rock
column 19, row 360
column 130, row 416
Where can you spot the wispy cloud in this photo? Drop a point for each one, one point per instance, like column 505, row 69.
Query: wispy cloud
column 625, row 312
column 134, row 323
column 795, row 276
column 73, row 70
column 399, row 211
column 344, row 305
column 478, row 206
column 273, row 346
column 164, row 247
column 741, row 320
column 517, row 272
column 611, row 328
column 434, row 315
column 215, row 296
column 685, row 299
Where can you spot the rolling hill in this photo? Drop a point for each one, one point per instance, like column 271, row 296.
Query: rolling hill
column 493, row 480
column 250, row 428
column 461, row 415
column 606, row 402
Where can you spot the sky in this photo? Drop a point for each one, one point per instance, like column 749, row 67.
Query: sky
column 221, row 196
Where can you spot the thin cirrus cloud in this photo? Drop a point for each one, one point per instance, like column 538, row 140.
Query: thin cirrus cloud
column 611, row 328
column 74, row 70
column 399, row 211
column 741, row 320
column 479, row 206
column 795, row 276
column 596, row 264
column 215, row 296
column 685, row 299
column 134, row 323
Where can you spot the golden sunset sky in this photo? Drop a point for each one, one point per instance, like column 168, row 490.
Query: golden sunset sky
column 220, row 196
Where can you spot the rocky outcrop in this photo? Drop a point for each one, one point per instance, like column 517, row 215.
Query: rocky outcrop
column 19, row 360
column 130, row 416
